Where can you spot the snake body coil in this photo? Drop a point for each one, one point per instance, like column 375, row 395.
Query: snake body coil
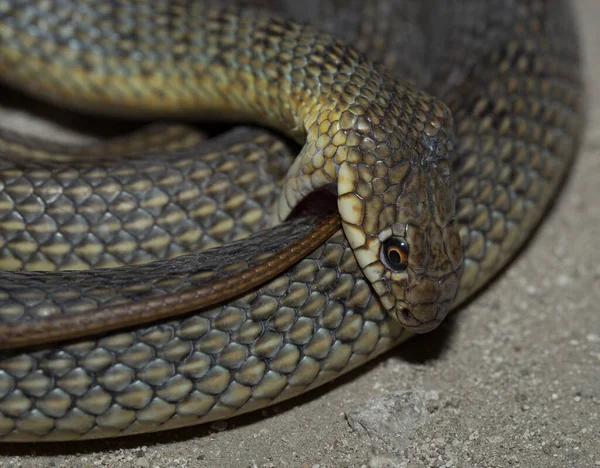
column 428, row 193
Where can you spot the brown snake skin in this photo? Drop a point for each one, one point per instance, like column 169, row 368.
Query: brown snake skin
column 508, row 71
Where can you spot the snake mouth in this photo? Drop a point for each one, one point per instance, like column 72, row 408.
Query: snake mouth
column 424, row 327
column 408, row 315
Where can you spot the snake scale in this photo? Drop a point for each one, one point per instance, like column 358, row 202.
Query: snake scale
column 139, row 321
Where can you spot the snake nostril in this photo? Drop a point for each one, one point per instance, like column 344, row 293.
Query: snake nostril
column 405, row 313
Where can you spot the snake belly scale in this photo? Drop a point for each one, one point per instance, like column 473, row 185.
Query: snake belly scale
column 435, row 195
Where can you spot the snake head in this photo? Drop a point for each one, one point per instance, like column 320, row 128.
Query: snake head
column 398, row 213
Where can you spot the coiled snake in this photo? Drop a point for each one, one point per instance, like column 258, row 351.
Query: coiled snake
column 434, row 195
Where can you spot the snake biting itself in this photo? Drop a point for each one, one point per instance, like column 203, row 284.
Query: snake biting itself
column 157, row 281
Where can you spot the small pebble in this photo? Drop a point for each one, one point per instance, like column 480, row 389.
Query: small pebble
column 592, row 338
column 563, row 280
column 142, row 462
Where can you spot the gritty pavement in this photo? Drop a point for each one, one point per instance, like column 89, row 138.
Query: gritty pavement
column 513, row 379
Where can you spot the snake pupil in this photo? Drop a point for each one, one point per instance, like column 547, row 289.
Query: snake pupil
column 395, row 253
column 394, row 257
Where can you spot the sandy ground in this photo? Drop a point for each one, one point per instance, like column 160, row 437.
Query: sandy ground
column 513, row 379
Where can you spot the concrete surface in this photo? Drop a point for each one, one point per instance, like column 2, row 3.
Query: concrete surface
column 511, row 380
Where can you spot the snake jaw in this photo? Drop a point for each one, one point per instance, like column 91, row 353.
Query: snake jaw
column 406, row 317
column 418, row 318
column 418, row 312
column 408, row 299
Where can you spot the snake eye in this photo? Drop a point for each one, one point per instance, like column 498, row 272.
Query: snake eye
column 394, row 252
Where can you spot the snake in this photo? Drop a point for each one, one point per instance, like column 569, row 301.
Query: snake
column 157, row 280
